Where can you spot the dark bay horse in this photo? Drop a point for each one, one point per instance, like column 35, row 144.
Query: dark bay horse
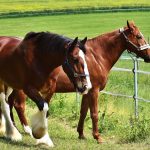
column 28, row 65
column 104, row 51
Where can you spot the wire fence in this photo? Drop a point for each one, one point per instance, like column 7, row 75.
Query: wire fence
column 135, row 71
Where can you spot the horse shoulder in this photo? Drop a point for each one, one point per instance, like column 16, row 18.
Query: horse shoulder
column 98, row 73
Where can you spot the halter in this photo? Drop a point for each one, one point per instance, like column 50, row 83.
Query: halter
column 76, row 75
column 141, row 48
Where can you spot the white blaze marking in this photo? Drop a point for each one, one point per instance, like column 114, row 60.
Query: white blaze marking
column 89, row 85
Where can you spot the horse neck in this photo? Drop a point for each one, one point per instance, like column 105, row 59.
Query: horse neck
column 52, row 59
column 107, row 49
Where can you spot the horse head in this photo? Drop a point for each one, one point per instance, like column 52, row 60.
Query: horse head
column 135, row 41
column 75, row 65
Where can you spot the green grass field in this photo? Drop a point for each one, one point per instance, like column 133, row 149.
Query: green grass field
column 64, row 116
column 32, row 5
column 82, row 25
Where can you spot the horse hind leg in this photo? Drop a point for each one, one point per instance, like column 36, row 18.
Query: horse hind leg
column 17, row 99
column 2, row 119
column 11, row 130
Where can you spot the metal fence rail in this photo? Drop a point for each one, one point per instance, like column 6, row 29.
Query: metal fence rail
column 135, row 72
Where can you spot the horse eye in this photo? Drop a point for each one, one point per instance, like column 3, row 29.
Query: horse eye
column 139, row 36
column 76, row 61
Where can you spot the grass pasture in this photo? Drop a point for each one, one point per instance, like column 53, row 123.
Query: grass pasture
column 63, row 110
column 82, row 25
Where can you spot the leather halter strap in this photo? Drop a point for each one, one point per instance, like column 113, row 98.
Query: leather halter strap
column 76, row 75
column 141, row 48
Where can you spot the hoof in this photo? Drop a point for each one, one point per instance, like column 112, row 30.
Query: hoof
column 100, row 141
column 39, row 132
column 14, row 135
column 39, row 123
column 82, row 137
column 45, row 140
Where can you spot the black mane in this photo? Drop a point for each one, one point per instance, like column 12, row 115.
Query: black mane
column 48, row 40
column 31, row 35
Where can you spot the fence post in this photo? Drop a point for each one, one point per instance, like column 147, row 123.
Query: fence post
column 135, row 86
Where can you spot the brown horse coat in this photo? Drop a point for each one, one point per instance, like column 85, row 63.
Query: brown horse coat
column 104, row 51
column 30, row 64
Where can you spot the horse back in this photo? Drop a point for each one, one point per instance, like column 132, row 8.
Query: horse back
column 8, row 44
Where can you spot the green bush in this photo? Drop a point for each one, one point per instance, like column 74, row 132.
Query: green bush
column 136, row 130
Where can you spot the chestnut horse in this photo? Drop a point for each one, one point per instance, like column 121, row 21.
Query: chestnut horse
column 104, row 52
column 30, row 64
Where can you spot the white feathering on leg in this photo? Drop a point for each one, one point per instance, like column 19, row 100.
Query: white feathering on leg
column 39, row 123
column 27, row 130
column 45, row 140
column 2, row 124
column 11, row 130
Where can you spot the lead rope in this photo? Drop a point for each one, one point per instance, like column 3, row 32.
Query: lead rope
column 77, row 102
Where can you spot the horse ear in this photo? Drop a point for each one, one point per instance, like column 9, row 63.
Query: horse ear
column 129, row 26
column 73, row 44
column 84, row 41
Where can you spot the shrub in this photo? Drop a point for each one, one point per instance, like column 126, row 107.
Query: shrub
column 137, row 130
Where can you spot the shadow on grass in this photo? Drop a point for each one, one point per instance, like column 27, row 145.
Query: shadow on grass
column 7, row 141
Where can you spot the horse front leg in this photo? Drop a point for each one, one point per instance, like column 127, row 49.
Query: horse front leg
column 39, row 120
column 18, row 99
column 93, row 104
column 47, row 96
column 83, row 113
column 11, row 100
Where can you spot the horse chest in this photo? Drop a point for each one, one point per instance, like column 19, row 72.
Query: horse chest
column 98, row 78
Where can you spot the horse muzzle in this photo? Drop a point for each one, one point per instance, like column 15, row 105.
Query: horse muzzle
column 147, row 59
column 83, row 90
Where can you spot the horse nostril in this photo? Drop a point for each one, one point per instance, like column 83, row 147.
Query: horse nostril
column 85, row 87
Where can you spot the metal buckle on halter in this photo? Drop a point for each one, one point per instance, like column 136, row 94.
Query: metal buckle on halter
column 75, row 75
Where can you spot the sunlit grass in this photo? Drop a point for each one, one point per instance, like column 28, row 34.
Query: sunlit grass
column 82, row 25
column 32, row 5
column 64, row 118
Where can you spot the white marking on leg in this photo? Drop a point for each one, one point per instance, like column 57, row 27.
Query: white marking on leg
column 89, row 85
column 27, row 130
column 39, row 123
column 2, row 124
column 8, row 92
column 11, row 130
column 45, row 140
